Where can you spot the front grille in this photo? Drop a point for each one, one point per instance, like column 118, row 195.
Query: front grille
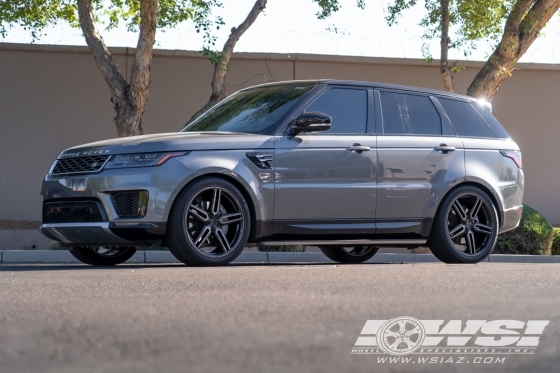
column 80, row 165
column 130, row 203
column 71, row 212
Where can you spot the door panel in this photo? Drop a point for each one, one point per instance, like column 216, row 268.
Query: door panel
column 413, row 175
column 318, row 178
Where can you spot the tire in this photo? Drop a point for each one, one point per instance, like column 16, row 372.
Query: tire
column 209, row 223
column 103, row 256
column 349, row 255
column 465, row 229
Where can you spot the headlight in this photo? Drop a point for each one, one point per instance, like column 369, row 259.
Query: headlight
column 141, row 159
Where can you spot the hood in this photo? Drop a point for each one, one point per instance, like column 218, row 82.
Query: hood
column 175, row 141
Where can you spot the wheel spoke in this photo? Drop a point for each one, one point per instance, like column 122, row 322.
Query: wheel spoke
column 199, row 213
column 389, row 333
column 475, row 208
column 402, row 326
column 222, row 239
column 483, row 228
column 457, row 231
column 395, row 344
column 216, row 199
column 408, row 342
column 459, row 210
column 231, row 218
column 471, row 245
column 416, row 330
column 202, row 236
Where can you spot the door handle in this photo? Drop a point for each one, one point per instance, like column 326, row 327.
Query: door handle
column 359, row 148
column 444, row 148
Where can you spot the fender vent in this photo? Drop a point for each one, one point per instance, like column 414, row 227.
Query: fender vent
column 261, row 160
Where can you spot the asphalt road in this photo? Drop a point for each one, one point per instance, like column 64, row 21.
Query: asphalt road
column 256, row 318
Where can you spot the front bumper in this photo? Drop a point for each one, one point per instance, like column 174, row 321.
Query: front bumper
column 162, row 184
column 104, row 233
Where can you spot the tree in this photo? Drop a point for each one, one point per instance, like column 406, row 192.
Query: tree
column 512, row 24
column 523, row 25
column 221, row 59
column 470, row 20
column 128, row 98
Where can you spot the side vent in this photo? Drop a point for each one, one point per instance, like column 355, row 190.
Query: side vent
column 261, row 160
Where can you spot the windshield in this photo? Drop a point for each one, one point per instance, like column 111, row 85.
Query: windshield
column 257, row 110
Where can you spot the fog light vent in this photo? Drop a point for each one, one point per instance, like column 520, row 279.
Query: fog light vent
column 131, row 203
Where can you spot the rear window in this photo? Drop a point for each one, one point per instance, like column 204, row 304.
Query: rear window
column 465, row 119
column 409, row 114
column 491, row 120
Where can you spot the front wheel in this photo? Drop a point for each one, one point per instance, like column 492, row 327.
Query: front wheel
column 102, row 255
column 349, row 255
column 465, row 229
column 209, row 223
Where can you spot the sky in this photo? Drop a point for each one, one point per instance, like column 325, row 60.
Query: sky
column 290, row 26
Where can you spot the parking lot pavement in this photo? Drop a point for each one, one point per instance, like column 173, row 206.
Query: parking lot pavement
column 258, row 317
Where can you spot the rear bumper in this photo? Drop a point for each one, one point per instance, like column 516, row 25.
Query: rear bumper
column 511, row 218
column 104, row 233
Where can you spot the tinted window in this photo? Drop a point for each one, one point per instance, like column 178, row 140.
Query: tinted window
column 257, row 110
column 491, row 120
column 347, row 107
column 409, row 114
column 465, row 119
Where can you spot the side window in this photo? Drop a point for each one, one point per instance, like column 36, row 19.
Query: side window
column 491, row 120
column 347, row 107
column 465, row 119
column 409, row 114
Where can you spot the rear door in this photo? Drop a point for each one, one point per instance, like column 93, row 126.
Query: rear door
column 419, row 158
column 322, row 185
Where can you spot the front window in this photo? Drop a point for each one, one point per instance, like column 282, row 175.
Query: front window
column 257, row 110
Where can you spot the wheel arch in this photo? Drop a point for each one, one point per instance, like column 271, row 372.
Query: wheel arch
column 233, row 178
column 489, row 191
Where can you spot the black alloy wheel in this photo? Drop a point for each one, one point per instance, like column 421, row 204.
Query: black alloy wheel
column 209, row 223
column 103, row 255
column 349, row 254
column 466, row 227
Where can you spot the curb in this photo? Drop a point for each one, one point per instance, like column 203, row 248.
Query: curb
column 155, row 257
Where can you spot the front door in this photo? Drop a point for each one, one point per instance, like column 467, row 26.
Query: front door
column 325, row 181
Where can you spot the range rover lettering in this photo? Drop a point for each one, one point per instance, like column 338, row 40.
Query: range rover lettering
column 346, row 166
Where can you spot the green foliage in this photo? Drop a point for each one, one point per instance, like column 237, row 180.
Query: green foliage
column 36, row 15
column 470, row 21
column 328, row 7
column 555, row 249
column 283, row 249
column 215, row 57
column 532, row 237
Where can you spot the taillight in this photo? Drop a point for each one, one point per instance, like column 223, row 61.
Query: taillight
column 513, row 154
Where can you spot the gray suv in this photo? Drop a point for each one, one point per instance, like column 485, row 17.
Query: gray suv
column 346, row 166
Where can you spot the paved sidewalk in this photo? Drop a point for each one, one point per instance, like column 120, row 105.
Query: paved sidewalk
column 154, row 257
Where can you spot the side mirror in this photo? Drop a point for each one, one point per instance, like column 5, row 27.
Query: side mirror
column 312, row 122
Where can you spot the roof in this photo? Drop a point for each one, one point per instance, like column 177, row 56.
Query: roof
column 365, row 84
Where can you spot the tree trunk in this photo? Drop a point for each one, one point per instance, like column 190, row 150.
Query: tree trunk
column 526, row 19
column 129, row 99
column 444, row 63
column 220, row 68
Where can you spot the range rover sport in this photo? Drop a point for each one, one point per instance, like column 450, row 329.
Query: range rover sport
column 346, row 166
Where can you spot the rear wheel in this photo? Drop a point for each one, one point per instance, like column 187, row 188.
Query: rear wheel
column 349, row 254
column 103, row 255
column 209, row 224
column 465, row 229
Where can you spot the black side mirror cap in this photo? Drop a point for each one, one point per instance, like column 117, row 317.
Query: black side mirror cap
column 313, row 121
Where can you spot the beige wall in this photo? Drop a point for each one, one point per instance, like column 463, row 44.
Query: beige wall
column 53, row 97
